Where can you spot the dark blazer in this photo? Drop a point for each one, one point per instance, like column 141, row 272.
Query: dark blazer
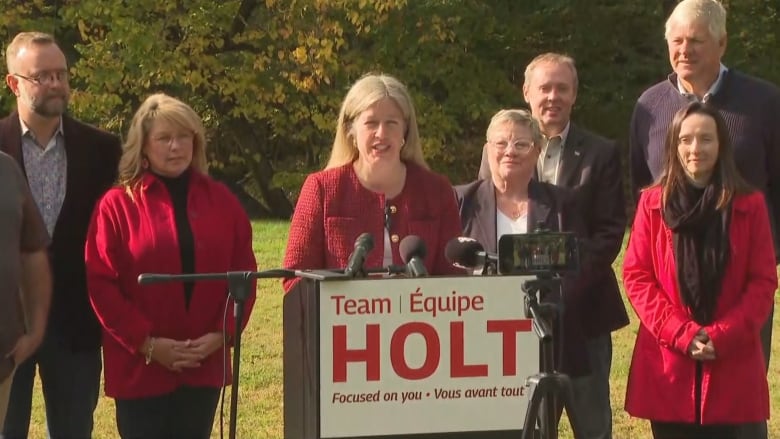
column 555, row 208
column 590, row 165
column 93, row 161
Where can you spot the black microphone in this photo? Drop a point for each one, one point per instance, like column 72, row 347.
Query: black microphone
column 363, row 244
column 412, row 249
column 387, row 271
column 468, row 253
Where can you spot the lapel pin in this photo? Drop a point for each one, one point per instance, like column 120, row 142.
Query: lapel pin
column 577, row 153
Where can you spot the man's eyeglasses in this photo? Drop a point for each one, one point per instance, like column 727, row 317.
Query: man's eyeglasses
column 46, row 78
column 520, row 145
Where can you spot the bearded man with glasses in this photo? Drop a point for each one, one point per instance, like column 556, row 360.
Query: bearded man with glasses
column 68, row 165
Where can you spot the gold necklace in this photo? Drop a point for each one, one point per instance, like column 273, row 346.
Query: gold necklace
column 515, row 210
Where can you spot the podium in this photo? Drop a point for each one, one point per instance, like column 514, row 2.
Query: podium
column 420, row 358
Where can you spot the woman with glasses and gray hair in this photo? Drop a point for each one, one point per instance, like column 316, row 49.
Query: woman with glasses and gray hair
column 510, row 201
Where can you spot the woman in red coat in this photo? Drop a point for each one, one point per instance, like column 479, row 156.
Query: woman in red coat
column 165, row 345
column 700, row 273
column 376, row 182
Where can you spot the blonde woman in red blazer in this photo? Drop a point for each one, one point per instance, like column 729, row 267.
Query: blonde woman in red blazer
column 376, row 181
column 163, row 344
column 700, row 273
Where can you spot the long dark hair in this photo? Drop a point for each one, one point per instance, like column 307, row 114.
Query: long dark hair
column 726, row 175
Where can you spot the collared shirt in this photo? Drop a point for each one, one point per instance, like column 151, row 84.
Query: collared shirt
column 46, row 168
column 550, row 159
column 713, row 89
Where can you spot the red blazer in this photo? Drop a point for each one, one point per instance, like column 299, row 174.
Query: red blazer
column 128, row 237
column 661, row 380
column 334, row 209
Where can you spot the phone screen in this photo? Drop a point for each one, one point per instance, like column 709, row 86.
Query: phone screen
column 538, row 253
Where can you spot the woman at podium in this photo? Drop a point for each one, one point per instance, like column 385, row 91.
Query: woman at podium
column 375, row 182
column 700, row 273
column 163, row 344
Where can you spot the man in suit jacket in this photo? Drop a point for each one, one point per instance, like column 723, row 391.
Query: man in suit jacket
column 588, row 164
column 68, row 166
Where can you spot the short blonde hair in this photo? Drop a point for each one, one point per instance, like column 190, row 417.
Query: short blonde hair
column 163, row 107
column 367, row 91
column 710, row 12
column 551, row 58
column 22, row 40
column 516, row 116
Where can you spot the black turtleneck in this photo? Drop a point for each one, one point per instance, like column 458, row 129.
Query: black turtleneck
column 178, row 187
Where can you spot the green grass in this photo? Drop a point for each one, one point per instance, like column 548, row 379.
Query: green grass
column 260, row 393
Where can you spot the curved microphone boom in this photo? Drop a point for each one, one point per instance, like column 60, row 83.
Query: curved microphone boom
column 413, row 251
column 363, row 244
column 469, row 254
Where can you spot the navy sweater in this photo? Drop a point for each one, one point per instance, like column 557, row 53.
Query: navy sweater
column 751, row 108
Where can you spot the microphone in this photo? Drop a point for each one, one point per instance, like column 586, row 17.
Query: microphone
column 469, row 254
column 363, row 244
column 387, row 271
column 412, row 249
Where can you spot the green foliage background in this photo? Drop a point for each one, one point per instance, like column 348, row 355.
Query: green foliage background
column 268, row 76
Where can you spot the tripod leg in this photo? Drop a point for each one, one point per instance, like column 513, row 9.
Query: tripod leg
column 567, row 392
column 538, row 395
column 548, row 417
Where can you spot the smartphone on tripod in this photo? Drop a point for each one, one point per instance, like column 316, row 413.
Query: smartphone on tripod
column 538, row 253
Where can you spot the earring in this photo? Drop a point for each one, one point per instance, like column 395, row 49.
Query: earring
column 145, row 163
column 403, row 143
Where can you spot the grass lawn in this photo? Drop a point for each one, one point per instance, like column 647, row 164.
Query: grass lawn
column 260, row 393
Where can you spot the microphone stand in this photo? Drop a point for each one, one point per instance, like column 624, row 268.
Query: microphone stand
column 239, row 288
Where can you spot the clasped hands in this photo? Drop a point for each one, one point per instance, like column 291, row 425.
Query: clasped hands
column 177, row 355
column 701, row 347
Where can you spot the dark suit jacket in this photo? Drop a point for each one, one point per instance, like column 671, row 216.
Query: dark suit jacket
column 93, row 161
column 590, row 165
column 555, row 209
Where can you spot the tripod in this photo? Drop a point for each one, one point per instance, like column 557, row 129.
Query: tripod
column 549, row 386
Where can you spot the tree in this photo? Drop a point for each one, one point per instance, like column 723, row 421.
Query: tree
column 268, row 76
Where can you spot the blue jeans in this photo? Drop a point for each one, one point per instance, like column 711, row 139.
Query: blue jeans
column 591, row 392
column 71, row 388
column 187, row 412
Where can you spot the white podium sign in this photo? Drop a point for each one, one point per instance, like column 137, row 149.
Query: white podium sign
column 424, row 355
